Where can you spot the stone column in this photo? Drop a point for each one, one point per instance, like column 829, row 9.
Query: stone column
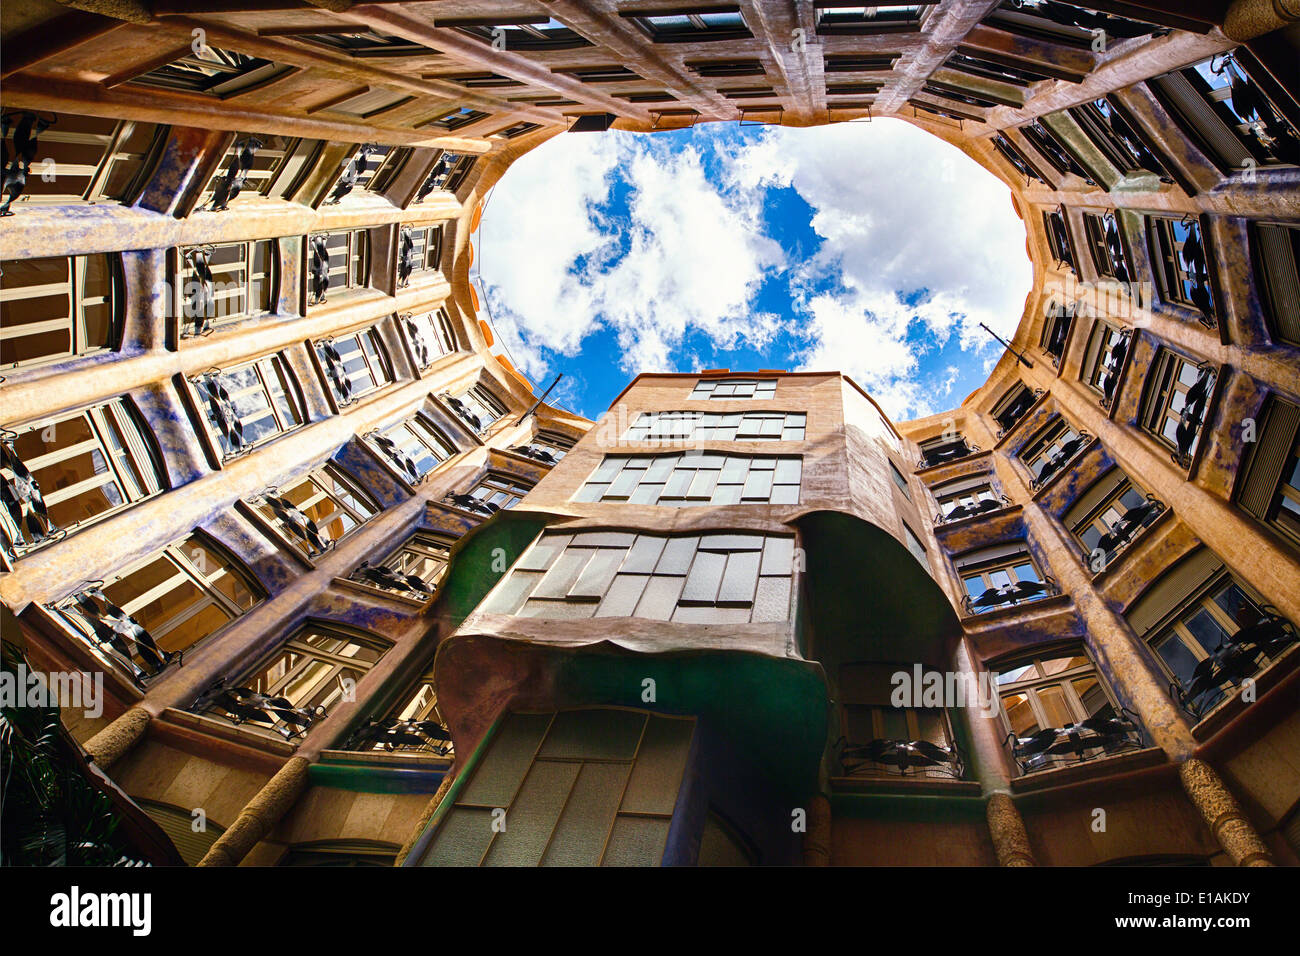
column 1008, row 831
column 447, row 779
column 1248, row 19
column 260, row 815
column 1221, row 811
column 817, row 841
column 111, row 743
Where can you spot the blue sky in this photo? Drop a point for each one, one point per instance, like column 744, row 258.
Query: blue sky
column 870, row 248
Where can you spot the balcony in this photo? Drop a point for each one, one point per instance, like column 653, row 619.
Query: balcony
column 901, row 758
column 1236, row 659
column 241, row 705
column 981, row 507
column 945, row 452
column 1089, row 739
column 409, row 736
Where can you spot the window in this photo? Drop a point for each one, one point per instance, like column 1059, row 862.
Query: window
column 414, row 447
column 1013, row 406
column 1104, row 359
column 1059, row 712
column 414, row 569
column 693, row 579
column 95, row 158
column 1116, row 138
column 1056, row 330
column 517, row 129
column 366, row 103
column 314, row 670
column 1016, row 158
column 882, row 740
column 916, row 547
column 844, row 17
column 695, row 478
column 340, row 853
column 252, row 165
column 412, row 726
column 430, row 336
column 316, row 511
column 68, row 471
column 339, row 260
column 1060, row 23
column 725, row 68
column 58, row 307
column 447, row 172
column 900, row 481
column 1269, row 487
column 547, row 447
column 500, row 491
column 1178, row 259
column 520, row 33
column 691, row 25
column 1001, row 576
column 145, row 617
column 363, row 42
column 734, row 388
column 1177, row 397
column 717, row 426
column 943, row 449
column 1055, row 150
column 366, row 163
column 1058, row 238
column 225, row 282
column 1047, row 454
column 584, row 788
column 965, row 497
column 1106, row 245
column 249, row 404
column 1109, row 516
column 454, row 119
column 420, row 251
column 355, row 364
column 477, row 407
column 859, row 62
column 1275, row 250
column 1228, row 114
column 990, row 66
column 219, row 73
column 1208, row 629
column 390, row 166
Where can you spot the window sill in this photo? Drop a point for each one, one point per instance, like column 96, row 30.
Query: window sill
column 898, row 783
column 348, row 584
column 972, row 520
column 1052, row 602
column 267, row 742
column 1088, row 770
column 387, row 760
column 1231, row 707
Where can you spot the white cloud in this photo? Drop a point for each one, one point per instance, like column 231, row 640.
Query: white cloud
column 693, row 256
column 900, row 211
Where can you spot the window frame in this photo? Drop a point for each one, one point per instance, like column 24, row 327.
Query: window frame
column 707, row 470
column 321, row 492
column 75, row 322
column 187, row 277
column 141, row 475
column 376, row 363
column 699, row 30
column 267, row 370
column 1164, row 387
column 185, row 570
column 1007, row 560
column 422, row 433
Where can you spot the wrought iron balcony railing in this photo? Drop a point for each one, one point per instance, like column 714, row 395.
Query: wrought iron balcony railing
column 1233, row 661
column 406, row 736
column 471, row 503
column 535, row 452
column 1112, row 365
column 241, row 705
column 20, row 493
column 121, row 636
column 1074, row 743
column 949, row 451
column 1013, row 593
column 1064, row 455
column 297, row 524
column 1192, row 416
column 914, row 758
column 463, row 410
column 390, row 579
column 1124, row 530
column 981, row 507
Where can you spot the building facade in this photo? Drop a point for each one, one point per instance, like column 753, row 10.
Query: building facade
column 356, row 597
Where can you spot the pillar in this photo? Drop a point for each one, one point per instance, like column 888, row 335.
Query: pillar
column 1248, row 19
column 261, row 814
column 817, row 840
column 1221, row 811
column 1007, row 829
column 112, row 743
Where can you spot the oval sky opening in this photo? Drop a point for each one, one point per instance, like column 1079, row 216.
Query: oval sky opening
column 875, row 249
